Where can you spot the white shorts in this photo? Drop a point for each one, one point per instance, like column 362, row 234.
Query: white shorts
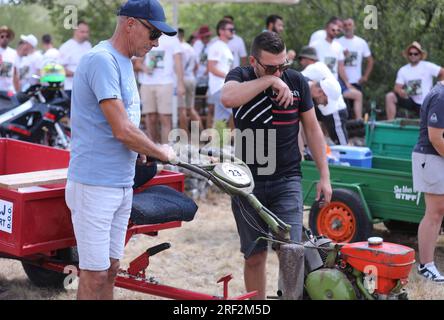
column 428, row 173
column 100, row 218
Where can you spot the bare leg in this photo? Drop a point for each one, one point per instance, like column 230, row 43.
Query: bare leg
column 430, row 226
column 91, row 284
column 151, row 126
column 108, row 290
column 255, row 276
column 210, row 115
column 390, row 105
column 194, row 116
column 356, row 96
column 165, row 127
column 183, row 119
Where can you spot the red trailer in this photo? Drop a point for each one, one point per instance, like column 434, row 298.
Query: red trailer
column 36, row 228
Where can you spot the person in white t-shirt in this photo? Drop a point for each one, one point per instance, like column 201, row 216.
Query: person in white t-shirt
column 357, row 50
column 187, row 111
column 9, row 80
column 50, row 54
column 274, row 23
column 237, row 46
column 413, row 82
column 331, row 109
column 157, row 73
column 220, row 62
column 331, row 53
column 201, row 46
column 322, row 34
column 31, row 62
column 72, row 51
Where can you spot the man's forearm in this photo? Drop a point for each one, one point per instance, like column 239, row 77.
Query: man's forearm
column 369, row 67
column 137, row 141
column 217, row 72
column 178, row 67
column 235, row 94
column 69, row 73
column 400, row 91
column 16, row 81
column 342, row 74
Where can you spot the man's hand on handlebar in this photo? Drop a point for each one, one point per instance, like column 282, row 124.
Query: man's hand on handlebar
column 167, row 154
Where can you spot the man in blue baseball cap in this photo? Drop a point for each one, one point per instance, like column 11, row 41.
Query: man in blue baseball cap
column 105, row 118
column 148, row 10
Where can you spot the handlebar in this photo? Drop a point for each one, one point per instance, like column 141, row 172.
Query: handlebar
column 280, row 229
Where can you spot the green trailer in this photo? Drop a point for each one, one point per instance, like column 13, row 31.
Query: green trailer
column 363, row 197
column 395, row 138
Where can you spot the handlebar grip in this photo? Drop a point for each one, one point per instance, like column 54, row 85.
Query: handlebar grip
column 159, row 248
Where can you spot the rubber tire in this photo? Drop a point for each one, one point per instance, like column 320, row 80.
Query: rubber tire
column 44, row 278
column 351, row 199
column 395, row 226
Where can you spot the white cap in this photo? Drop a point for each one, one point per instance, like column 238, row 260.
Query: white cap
column 31, row 39
column 332, row 90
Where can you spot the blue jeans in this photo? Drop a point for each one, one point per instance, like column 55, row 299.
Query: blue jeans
column 283, row 197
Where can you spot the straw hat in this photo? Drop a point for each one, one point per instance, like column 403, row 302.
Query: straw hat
column 418, row 47
column 8, row 31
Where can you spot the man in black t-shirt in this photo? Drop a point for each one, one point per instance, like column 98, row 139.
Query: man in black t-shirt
column 268, row 101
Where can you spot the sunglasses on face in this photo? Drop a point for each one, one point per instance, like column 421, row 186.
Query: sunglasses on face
column 414, row 54
column 154, row 33
column 270, row 70
column 232, row 30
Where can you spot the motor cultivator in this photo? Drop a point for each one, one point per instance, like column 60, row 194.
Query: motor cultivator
column 39, row 233
column 318, row 269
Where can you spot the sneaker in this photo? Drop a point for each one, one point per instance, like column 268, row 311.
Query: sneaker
column 431, row 273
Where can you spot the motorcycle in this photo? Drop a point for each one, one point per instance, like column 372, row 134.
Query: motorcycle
column 37, row 115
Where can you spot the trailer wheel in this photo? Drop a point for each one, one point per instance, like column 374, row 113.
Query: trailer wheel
column 44, row 278
column 404, row 227
column 343, row 220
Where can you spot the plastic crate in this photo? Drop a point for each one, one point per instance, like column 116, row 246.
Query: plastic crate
column 395, row 138
column 36, row 219
column 355, row 156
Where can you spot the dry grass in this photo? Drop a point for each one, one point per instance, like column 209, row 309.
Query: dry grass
column 202, row 251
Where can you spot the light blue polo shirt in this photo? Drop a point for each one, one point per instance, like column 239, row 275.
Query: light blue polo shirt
column 97, row 157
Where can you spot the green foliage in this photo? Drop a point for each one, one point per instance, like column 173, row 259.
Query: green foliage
column 99, row 14
column 399, row 23
column 19, row 19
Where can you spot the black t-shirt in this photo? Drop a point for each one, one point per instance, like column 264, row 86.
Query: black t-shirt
column 266, row 120
column 432, row 115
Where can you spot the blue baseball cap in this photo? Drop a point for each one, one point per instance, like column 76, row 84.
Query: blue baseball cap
column 149, row 10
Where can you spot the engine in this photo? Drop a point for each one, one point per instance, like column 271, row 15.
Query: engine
column 363, row 270
column 387, row 264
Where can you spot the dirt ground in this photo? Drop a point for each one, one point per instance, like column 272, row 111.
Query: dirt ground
column 202, row 251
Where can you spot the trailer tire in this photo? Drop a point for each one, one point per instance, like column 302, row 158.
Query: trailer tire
column 409, row 228
column 343, row 220
column 44, row 278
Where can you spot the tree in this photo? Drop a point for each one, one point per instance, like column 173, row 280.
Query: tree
column 400, row 22
column 99, row 14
